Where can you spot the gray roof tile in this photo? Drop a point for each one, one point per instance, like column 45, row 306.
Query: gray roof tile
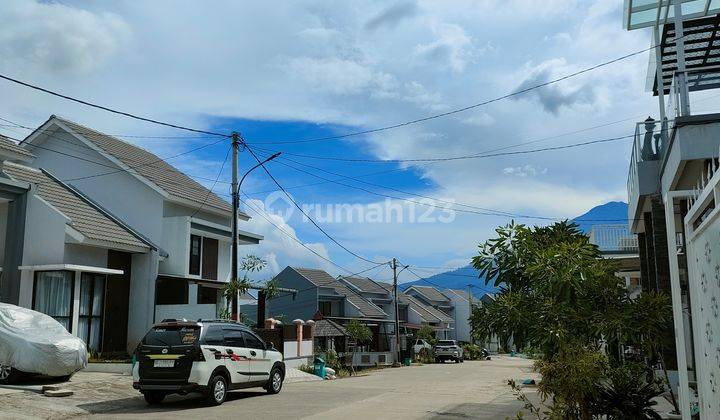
column 426, row 312
column 84, row 217
column 366, row 285
column 151, row 167
column 321, row 278
column 10, row 146
column 431, row 293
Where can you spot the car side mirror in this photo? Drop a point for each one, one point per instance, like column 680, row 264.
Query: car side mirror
column 269, row 346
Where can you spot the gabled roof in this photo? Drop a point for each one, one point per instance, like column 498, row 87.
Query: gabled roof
column 85, row 218
column 426, row 312
column 149, row 166
column 459, row 292
column 430, row 293
column 10, row 148
column 329, row 328
column 321, row 278
column 365, row 284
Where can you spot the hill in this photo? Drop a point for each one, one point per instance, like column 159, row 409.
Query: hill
column 608, row 213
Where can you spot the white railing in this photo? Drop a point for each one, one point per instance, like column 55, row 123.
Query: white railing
column 613, row 238
column 649, row 143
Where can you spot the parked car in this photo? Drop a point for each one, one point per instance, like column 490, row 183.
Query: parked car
column 210, row 357
column 32, row 343
column 448, row 350
column 421, row 344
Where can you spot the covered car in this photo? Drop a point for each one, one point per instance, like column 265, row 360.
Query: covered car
column 32, row 342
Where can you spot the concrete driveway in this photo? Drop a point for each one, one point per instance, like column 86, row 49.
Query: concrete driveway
column 469, row 390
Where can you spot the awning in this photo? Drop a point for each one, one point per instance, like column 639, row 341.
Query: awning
column 645, row 13
column 70, row 267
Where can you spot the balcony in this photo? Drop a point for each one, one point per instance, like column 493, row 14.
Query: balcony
column 614, row 239
column 649, row 144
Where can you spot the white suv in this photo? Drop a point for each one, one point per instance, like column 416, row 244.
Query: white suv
column 211, row 357
column 448, row 350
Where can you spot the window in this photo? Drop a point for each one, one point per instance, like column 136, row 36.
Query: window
column 233, row 337
column 252, row 341
column 325, row 308
column 203, row 257
column 210, row 258
column 171, row 336
column 214, row 336
column 92, row 297
column 195, row 251
column 171, row 291
column 207, row 295
column 53, row 295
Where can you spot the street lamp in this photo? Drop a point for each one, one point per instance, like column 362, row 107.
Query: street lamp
column 235, row 309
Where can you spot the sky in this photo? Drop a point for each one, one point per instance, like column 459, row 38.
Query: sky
column 278, row 72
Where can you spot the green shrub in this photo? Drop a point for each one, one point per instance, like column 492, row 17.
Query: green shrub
column 472, row 352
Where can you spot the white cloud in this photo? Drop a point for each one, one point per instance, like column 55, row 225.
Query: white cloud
column 451, row 47
column 55, row 37
column 524, row 171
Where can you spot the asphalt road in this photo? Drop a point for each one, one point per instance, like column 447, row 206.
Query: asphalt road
column 469, row 390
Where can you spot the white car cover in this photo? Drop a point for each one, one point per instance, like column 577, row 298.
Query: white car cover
column 33, row 342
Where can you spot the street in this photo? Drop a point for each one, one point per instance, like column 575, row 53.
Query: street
column 474, row 389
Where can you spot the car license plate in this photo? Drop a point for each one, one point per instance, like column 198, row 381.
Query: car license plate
column 164, row 363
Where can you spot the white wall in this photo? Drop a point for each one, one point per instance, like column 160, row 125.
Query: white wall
column 121, row 193
column 142, row 296
column 176, row 242
column 189, row 312
column 85, row 255
column 44, row 234
column 461, row 316
column 3, row 229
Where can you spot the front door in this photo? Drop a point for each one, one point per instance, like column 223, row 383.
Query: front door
column 117, row 301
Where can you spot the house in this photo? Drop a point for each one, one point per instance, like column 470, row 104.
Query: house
column 673, row 160
column 412, row 312
column 321, row 296
column 435, row 298
column 63, row 255
column 185, row 228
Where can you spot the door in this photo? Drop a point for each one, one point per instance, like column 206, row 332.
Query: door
column 260, row 365
column 237, row 357
column 117, row 302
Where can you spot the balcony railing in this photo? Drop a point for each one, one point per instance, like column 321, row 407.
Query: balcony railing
column 649, row 144
column 615, row 238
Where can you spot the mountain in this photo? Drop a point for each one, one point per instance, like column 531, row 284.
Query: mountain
column 614, row 212
column 455, row 279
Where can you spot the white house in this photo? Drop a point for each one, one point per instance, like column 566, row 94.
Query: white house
column 186, row 228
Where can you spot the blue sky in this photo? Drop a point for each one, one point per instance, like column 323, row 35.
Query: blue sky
column 279, row 71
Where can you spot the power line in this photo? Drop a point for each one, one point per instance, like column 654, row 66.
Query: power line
column 453, row 158
column 108, row 109
column 303, row 211
column 469, row 107
column 209, row 191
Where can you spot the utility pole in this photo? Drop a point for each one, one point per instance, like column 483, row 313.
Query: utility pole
column 234, row 312
column 397, row 313
column 470, row 306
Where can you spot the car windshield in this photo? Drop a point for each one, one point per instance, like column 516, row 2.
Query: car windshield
column 446, row 343
column 171, row 336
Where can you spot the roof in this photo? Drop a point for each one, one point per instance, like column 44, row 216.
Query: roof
column 151, row 167
column 84, row 217
column 7, row 145
column 329, row 328
column 645, row 13
column 426, row 312
column 321, row 278
column 430, row 293
column 366, row 285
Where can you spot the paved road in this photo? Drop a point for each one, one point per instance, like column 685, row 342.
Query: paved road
column 470, row 390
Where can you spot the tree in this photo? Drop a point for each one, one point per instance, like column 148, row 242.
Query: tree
column 359, row 333
column 427, row 333
column 248, row 264
column 560, row 296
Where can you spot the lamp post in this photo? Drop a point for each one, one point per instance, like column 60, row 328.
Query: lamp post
column 235, row 310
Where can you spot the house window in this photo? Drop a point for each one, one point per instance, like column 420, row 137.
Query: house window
column 53, row 295
column 325, row 308
column 92, row 297
column 171, row 291
column 203, row 257
column 195, row 251
column 403, row 313
column 207, row 295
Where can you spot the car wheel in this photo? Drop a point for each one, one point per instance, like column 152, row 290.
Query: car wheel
column 218, row 390
column 8, row 375
column 154, row 397
column 276, row 381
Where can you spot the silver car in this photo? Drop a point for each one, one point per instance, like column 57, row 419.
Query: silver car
column 448, row 350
